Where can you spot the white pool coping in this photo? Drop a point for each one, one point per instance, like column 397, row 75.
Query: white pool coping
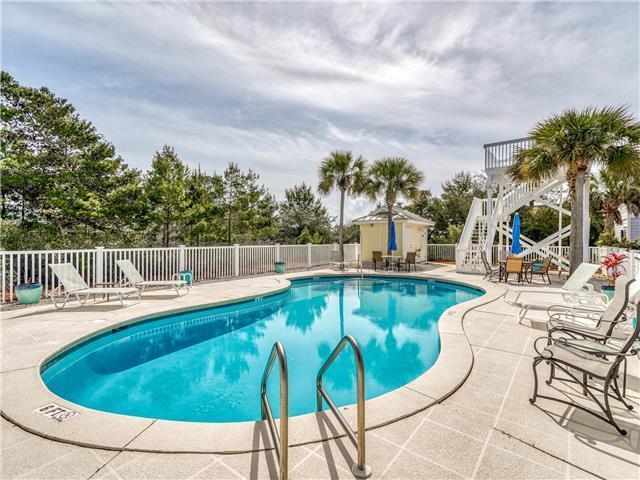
column 23, row 390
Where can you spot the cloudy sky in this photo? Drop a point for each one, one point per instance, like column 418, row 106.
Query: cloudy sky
column 276, row 86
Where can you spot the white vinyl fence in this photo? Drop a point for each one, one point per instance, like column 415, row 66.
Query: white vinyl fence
column 98, row 266
column 447, row 252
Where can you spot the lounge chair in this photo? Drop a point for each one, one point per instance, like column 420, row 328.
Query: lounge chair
column 576, row 285
column 134, row 278
column 489, row 271
column 335, row 260
column 598, row 359
column 591, row 307
column 588, row 323
column 73, row 284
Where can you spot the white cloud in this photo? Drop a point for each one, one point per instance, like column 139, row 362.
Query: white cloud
column 276, row 86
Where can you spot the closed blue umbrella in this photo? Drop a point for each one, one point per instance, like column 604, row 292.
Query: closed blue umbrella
column 516, row 246
column 392, row 241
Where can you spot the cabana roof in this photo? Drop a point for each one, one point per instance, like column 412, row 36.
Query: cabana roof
column 399, row 215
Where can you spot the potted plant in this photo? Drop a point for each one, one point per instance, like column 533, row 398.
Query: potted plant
column 29, row 293
column 280, row 267
column 613, row 264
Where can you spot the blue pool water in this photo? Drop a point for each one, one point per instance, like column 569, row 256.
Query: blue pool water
column 206, row 365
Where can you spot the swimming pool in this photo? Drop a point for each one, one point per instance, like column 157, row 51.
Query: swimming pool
column 206, row 365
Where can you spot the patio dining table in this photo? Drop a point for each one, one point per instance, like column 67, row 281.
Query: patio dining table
column 392, row 262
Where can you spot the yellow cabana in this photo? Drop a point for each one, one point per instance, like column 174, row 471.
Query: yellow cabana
column 411, row 233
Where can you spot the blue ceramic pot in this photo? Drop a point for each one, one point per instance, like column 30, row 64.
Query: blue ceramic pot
column 280, row 267
column 608, row 290
column 29, row 293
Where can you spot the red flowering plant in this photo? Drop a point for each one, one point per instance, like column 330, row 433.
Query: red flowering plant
column 613, row 263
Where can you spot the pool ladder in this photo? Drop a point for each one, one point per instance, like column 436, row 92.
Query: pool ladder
column 281, row 441
column 360, row 469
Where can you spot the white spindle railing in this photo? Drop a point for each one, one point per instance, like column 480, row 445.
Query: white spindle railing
column 501, row 154
column 98, row 265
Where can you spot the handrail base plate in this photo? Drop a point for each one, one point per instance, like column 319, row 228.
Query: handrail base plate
column 360, row 473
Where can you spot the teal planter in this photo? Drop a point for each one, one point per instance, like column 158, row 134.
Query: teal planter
column 29, row 293
column 608, row 290
column 280, row 267
column 187, row 276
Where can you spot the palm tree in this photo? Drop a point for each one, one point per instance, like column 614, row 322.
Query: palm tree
column 615, row 192
column 574, row 141
column 344, row 172
column 393, row 177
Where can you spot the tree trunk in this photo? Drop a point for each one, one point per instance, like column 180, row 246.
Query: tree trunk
column 341, row 231
column 609, row 222
column 577, row 222
column 165, row 234
column 389, row 221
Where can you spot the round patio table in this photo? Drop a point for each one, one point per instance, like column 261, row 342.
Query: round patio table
column 392, row 261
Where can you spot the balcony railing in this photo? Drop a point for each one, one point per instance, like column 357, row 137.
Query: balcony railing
column 500, row 155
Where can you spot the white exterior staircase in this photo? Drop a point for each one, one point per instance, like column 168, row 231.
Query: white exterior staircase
column 491, row 217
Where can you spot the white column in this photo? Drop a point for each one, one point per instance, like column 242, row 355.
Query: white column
column 236, row 259
column 587, row 218
column 501, row 224
column 308, row 255
column 181, row 256
column 99, row 266
column 489, row 241
column 277, row 252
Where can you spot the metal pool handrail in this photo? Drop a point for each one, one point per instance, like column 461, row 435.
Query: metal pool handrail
column 281, row 441
column 359, row 469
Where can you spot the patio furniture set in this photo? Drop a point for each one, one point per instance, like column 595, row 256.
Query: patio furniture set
column 589, row 339
column 394, row 262
column 518, row 266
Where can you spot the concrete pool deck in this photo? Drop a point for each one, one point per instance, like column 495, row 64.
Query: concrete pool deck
column 485, row 429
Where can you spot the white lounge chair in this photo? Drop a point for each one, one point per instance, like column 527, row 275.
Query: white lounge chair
column 134, row 278
column 589, row 323
column 576, row 286
column 73, row 284
column 634, row 291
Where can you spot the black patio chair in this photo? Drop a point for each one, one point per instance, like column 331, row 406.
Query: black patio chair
column 377, row 258
column 540, row 267
column 409, row 260
column 595, row 358
column 489, row 271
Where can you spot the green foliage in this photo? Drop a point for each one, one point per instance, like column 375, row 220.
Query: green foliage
column 60, row 178
column 451, row 208
column 609, row 240
column 299, row 209
column 343, row 172
column 574, row 141
column 248, row 208
column 454, row 232
column 166, row 191
column 351, row 234
column 393, row 178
